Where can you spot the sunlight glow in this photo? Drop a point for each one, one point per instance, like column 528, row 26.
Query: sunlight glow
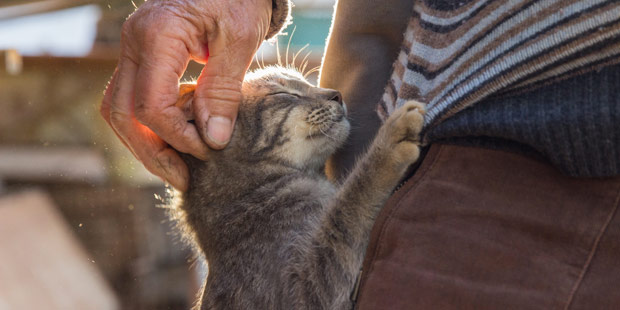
column 69, row 32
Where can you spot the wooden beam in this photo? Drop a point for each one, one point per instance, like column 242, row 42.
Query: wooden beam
column 7, row 3
column 69, row 164
column 43, row 264
column 13, row 9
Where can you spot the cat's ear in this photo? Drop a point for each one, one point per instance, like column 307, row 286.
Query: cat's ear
column 186, row 96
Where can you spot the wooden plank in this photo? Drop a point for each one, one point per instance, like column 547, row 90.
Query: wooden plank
column 6, row 3
column 72, row 164
column 13, row 9
column 43, row 265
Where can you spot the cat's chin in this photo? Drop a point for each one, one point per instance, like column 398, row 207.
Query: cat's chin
column 333, row 138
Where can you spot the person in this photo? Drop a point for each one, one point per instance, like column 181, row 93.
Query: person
column 157, row 42
column 515, row 202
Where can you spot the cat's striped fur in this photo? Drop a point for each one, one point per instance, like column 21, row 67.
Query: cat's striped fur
column 275, row 232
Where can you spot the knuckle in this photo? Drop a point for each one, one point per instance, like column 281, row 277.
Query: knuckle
column 144, row 114
column 127, row 26
column 226, row 108
column 145, row 31
column 178, row 125
column 151, row 30
column 117, row 118
column 212, row 87
column 145, row 24
column 220, row 96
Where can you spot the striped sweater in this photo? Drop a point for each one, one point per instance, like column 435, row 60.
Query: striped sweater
column 456, row 53
column 523, row 72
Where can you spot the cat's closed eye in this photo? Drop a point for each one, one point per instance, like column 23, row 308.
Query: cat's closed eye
column 283, row 93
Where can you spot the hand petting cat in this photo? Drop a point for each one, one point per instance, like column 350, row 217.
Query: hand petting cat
column 157, row 42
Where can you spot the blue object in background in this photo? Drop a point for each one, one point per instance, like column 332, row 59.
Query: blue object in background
column 311, row 27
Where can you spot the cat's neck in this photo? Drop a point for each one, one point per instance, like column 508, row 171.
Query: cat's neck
column 227, row 178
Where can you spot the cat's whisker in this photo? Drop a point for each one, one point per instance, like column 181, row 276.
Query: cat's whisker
column 304, row 63
column 315, row 69
column 328, row 124
column 290, row 39
column 310, row 134
column 262, row 58
column 279, row 58
column 326, row 134
column 297, row 54
column 256, row 60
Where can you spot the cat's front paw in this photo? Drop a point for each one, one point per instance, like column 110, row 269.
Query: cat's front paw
column 405, row 124
column 401, row 131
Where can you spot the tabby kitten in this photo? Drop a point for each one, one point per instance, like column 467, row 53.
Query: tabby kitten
column 275, row 232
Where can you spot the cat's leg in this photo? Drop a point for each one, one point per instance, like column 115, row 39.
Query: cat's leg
column 337, row 251
column 375, row 175
column 395, row 147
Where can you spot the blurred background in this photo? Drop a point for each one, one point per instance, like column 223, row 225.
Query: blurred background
column 81, row 221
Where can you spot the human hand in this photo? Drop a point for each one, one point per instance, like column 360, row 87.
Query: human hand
column 157, row 42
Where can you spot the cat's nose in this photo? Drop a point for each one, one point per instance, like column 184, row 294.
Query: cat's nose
column 334, row 95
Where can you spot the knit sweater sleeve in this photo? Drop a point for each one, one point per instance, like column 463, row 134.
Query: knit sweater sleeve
column 280, row 17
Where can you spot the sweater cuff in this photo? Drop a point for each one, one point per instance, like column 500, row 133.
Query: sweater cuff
column 280, row 17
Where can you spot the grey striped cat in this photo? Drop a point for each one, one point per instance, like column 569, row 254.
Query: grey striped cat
column 275, row 232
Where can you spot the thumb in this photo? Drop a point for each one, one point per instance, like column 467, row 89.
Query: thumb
column 218, row 91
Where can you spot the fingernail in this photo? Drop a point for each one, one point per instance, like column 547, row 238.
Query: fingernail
column 219, row 129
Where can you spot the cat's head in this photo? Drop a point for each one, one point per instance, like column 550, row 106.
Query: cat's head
column 283, row 117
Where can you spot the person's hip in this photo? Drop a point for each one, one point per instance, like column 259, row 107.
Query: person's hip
column 476, row 228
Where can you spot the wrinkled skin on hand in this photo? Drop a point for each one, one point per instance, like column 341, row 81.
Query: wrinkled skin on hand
column 157, row 42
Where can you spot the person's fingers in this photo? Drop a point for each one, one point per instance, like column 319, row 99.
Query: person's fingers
column 216, row 103
column 156, row 44
column 231, row 46
column 153, row 152
column 162, row 63
column 105, row 108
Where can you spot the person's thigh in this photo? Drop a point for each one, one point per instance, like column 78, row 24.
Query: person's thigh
column 485, row 229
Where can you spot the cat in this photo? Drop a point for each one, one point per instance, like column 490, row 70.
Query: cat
column 275, row 232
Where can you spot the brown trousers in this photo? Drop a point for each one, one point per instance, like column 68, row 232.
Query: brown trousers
column 486, row 229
